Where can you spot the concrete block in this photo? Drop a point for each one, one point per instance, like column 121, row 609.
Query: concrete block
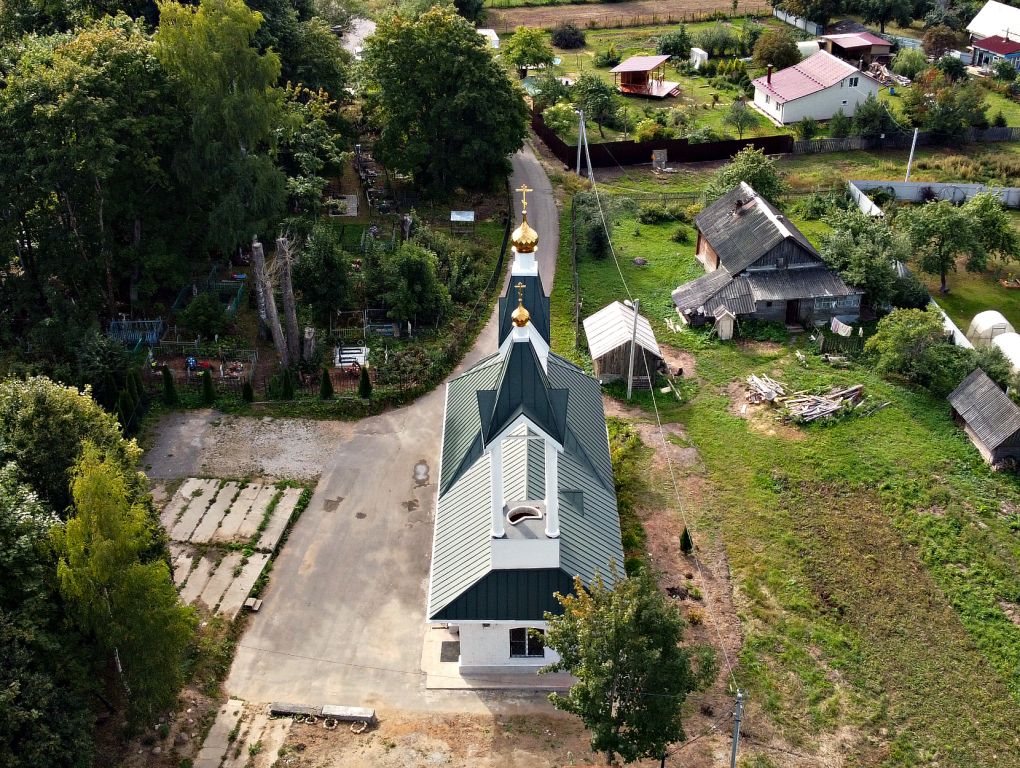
column 235, row 595
column 250, row 525
column 238, row 511
column 220, row 580
column 278, row 522
column 198, row 501
column 199, row 577
column 211, row 521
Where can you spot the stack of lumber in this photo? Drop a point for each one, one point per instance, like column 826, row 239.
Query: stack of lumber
column 803, row 406
column 762, row 388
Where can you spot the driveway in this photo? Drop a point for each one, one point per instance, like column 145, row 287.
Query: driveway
column 344, row 615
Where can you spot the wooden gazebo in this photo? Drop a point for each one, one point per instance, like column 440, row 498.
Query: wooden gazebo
column 645, row 76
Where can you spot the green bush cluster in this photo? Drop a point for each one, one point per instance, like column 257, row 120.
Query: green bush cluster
column 657, row 213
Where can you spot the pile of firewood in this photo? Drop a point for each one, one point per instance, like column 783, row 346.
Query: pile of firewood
column 804, row 406
column 764, row 388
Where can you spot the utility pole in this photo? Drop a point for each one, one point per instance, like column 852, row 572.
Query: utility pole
column 737, row 714
column 910, row 160
column 633, row 344
column 580, row 138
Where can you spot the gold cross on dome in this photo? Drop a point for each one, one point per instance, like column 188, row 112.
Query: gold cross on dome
column 524, row 189
column 520, row 292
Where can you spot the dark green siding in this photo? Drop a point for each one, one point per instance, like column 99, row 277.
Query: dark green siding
column 518, row 595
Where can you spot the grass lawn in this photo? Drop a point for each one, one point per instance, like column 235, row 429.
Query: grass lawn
column 996, row 103
column 973, row 292
column 872, row 558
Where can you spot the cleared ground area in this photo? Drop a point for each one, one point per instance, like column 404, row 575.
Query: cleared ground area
column 615, row 14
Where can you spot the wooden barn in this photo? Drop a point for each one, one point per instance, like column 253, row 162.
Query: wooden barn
column 609, row 333
column 990, row 419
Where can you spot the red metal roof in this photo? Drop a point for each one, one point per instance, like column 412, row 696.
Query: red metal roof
column 849, row 40
column 641, row 64
column 998, row 44
column 816, row 73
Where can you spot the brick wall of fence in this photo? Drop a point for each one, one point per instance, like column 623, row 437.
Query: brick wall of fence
column 613, row 153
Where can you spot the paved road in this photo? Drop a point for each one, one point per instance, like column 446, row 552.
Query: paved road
column 542, row 212
column 343, row 618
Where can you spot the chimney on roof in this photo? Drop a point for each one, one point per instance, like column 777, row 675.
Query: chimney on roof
column 768, row 76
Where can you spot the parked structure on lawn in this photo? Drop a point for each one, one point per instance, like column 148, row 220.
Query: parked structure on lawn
column 990, row 419
column 858, row 47
column 991, row 50
column 526, row 495
column 491, row 37
column 995, row 19
column 1009, row 345
column 609, row 333
column 760, row 265
column 986, row 326
column 817, row 87
column 644, row 76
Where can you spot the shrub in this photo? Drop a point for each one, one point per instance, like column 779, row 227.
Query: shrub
column 910, row 62
column 208, row 390
column 364, row 384
column 1003, row 70
column 205, row 315
column 681, row 234
column 657, row 213
column 568, row 36
column 807, row 128
column 840, row 125
column 325, row 386
column 560, row 117
column 607, row 58
column 952, row 67
column 169, row 388
column 999, row 121
column 676, row 44
column 248, row 392
column 649, row 129
column 686, row 542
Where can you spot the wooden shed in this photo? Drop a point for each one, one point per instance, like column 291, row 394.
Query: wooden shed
column 990, row 419
column 609, row 333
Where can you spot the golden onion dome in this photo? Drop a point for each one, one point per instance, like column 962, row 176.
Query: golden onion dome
column 524, row 238
column 520, row 316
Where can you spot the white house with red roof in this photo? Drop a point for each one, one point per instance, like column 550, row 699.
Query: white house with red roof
column 818, row 87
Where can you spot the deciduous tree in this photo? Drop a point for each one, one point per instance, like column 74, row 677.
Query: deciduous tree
column 881, row 12
column 993, row 226
column 752, row 166
column 776, row 47
column 449, row 113
column 415, row 292
column 740, row 117
column 940, row 234
column 527, row 48
column 621, row 641
column 939, row 40
column 128, row 605
column 597, row 98
column 864, row 250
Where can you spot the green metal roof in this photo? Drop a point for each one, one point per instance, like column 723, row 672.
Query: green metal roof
column 589, row 523
column 522, row 389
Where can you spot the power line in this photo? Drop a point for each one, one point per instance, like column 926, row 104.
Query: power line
column 662, row 434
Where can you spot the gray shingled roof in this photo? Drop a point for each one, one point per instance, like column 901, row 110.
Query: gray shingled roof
column 535, row 301
column 714, row 290
column 803, row 283
column 742, row 234
column 589, row 522
column 986, row 409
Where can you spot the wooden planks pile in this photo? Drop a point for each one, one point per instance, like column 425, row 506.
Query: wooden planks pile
column 764, row 388
column 803, row 406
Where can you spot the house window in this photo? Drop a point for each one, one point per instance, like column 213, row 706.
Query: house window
column 825, row 303
column 768, row 303
column 849, row 301
column 526, row 643
column 844, row 102
column 854, row 81
column 768, row 99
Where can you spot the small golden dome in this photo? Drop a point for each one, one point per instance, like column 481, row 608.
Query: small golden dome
column 520, row 316
column 524, row 238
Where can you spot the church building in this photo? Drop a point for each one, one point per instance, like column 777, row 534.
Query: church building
column 526, row 500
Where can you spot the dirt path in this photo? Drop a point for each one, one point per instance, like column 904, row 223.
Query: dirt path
column 600, row 16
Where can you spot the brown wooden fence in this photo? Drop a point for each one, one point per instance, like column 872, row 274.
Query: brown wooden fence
column 613, row 153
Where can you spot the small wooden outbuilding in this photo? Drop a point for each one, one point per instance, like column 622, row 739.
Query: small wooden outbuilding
column 645, row 76
column 990, row 419
column 609, row 333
